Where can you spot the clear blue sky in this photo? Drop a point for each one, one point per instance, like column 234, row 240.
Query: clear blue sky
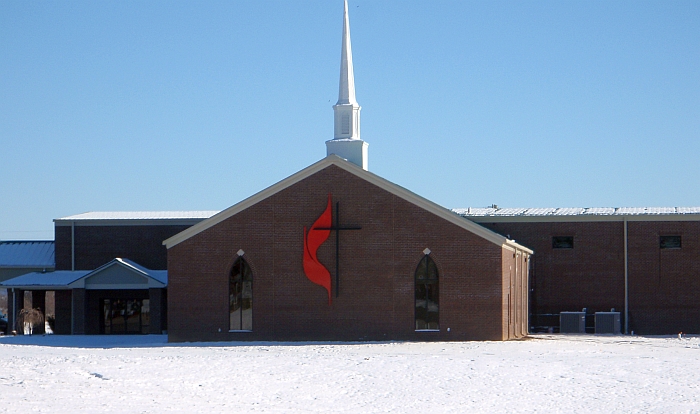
column 131, row 105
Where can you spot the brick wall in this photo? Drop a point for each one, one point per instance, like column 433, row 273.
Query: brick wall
column 377, row 265
column 591, row 275
column 664, row 284
column 97, row 245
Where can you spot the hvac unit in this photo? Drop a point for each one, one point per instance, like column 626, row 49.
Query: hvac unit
column 572, row 322
column 607, row 322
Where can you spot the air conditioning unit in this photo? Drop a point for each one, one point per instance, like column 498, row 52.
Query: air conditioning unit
column 607, row 322
column 572, row 322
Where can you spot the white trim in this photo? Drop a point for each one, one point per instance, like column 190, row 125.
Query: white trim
column 382, row 183
column 129, row 222
column 427, row 330
column 240, row 330
column 116, row 286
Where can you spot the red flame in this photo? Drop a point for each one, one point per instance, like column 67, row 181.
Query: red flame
column 315, row 271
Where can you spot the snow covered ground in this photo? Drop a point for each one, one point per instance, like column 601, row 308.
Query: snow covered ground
column 545, row 373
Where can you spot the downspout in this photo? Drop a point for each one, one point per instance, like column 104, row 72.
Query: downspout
column 72, row 245
column 528, row 295
column 72, row 267
column 13, row 318
column 627, row 304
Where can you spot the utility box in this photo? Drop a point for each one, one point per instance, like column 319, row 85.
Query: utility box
column 572, row 322
column 607, row 322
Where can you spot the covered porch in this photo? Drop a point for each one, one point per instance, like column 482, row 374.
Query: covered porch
column 120, row 297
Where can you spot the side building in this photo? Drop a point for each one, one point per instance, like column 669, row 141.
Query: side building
column 110, row 272
column 642, row 262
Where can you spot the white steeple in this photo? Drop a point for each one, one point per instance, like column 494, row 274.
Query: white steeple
column 346, row 91
column 346, row 142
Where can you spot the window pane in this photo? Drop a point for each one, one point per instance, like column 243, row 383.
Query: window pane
column 235, row 320
column 235, row 306
column 670, row 242
column 563, row 242
column 241, row 297
column 118, row 316
column 133, row 316
column 426, row 295
column 247, row 318
column 432, row 269
column 145, row 316
column 421, row 270
column 432, row 306
column 107, row 316
column 421, row 302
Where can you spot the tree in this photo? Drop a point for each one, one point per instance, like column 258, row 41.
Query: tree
column 27, row 319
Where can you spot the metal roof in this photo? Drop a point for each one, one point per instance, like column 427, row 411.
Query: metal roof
column 63, row 278
column 48, row 279
column 140, row 215
column 589, row 211
column 27, row 254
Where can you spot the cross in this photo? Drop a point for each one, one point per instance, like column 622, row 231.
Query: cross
column 337, row 229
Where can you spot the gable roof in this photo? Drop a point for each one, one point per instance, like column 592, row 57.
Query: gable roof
column 361, row 173
column 32, row 254
column 71, row 279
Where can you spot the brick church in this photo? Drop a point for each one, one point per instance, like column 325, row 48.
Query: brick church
column 335, row 252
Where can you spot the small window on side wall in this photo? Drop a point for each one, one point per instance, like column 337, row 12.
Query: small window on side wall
column 563, row 242
column 670, row 242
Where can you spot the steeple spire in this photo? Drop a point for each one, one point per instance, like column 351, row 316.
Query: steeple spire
column 346, row 142
column 346, row 93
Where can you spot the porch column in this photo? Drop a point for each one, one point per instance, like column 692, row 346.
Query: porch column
column 39, row 302
column 63, row 323
column 155, row 297
column 78, row 308
column 15, row 303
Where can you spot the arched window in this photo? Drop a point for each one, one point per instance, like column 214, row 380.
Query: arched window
column 240, row 297
column 427, row 295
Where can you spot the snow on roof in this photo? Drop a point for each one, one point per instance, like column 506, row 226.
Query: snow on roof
column 159, row 275
column 598, row 211
column 27, row 254
column 141, row 215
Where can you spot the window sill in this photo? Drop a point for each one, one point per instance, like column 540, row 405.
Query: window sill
column 427, row 330
column 240, row 330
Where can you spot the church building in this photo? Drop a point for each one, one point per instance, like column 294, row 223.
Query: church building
column 335, row 252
